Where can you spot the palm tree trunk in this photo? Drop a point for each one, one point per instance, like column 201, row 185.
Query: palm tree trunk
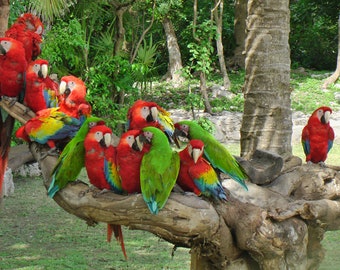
column 4, row 15
column 267, row 119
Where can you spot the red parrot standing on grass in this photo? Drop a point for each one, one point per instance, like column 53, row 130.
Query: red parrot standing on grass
column 100, row 164
column 196, row 174
column 318, row 136
column 41, row 91
column 12, row 69
column 28, row 29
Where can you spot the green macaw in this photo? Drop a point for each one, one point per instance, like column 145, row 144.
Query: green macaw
column 72, row 158
column 215, row 152
column 159, row 168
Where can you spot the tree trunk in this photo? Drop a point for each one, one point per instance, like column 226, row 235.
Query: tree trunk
column 240, row 32
column 175, row 61
column 333, row 78
column 4, row 15
column 218, row 17
column 203, row 87
column 267, row 120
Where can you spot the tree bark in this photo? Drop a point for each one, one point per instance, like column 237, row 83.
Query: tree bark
column 274, row 226
column 4, row 15
column 175, row 61
column 218, row 17
column 240, row 32
column 333, row 78
column 267, row 120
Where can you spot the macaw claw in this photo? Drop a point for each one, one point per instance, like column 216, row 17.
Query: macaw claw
column 51, row 152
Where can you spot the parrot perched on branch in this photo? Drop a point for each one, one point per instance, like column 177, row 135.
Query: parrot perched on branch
column 41, row 91
column 60, row 123
column 72, row 158
column 159, row 169
column 216, row 153
column 129, row 158
column 28, row 29
column 100, row 164
column 318, row 136
column 12, row 72
column 196, row 174
column 145, row 113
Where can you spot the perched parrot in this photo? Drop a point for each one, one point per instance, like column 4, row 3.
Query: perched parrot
column 196, row 174
column 318, row 136
column 12, row 72
column 216, row 153
column 129, row 158
column 145, row 113
column 28, row 29
column 72, row 94
column 100, row 164
column 159, row 169
column 72, row 158
column 41, row 91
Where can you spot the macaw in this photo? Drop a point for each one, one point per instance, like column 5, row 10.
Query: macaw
column 216, row 153
column 196, row 174
column 100, row 164
column 318, row 136
column 145, row 113
column 48, row 126
column 28, row 29
column 129, row 158
column 41, row 91
column 72, row 94
column 12, row 69
column 72, row 158
column 159, row 169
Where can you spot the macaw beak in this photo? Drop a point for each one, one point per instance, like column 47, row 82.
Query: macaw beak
column 43, row 71
column 325, row 117
column 196, row 154
column 107, row 139
column 2, row 50
column 137, row 144
column 154, row 113
column 62, row 87
column 177, row 135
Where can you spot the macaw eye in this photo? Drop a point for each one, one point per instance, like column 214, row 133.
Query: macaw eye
column 71, row 85
column 98, row 136
column 92, row 124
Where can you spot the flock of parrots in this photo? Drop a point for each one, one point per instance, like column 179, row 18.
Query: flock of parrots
column 146, row 160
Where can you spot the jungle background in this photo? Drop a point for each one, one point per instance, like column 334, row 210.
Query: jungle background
column 85, row 40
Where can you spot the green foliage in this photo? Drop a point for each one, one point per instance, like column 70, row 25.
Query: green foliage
column 108, row 81
column 313, row 37
column 143, row 67
column 64, row 48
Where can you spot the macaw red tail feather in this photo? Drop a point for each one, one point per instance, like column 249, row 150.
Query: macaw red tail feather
column 6, row 129
column 118, row 233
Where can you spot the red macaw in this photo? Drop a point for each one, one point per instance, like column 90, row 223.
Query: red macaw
column 318, row 136
column 129, row 158
column 12, row 68
column 72, row 95
column 100, row 164
column 145, row 113
column 28, row 29
column 41, row 91
column 196, row 174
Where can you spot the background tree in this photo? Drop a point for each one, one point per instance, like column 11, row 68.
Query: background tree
column 267, row 119
column 4, row 15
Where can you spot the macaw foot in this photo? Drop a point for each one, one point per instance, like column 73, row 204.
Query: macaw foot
column 322, row 164
column 52, row 152
column 96, row 193
column 11, row 100
column 309, row 163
